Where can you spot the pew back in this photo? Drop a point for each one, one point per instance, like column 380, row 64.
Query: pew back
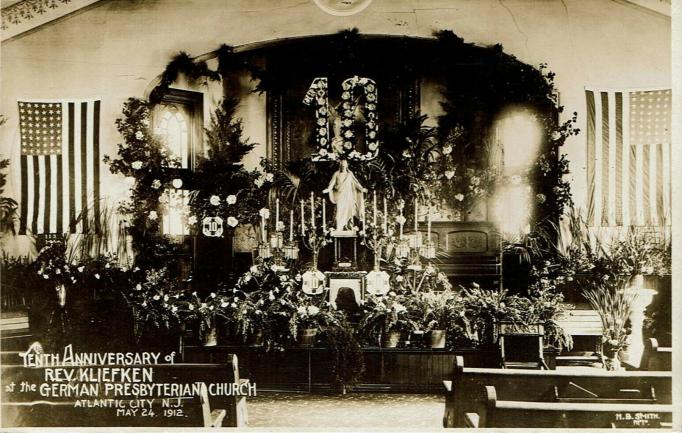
column 464, row 391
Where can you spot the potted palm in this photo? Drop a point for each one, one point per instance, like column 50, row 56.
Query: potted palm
column 436, row 313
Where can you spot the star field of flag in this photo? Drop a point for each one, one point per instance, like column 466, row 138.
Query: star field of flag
column 41, row 128
column 650, row 116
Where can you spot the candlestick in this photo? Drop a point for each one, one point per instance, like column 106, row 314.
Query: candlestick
column 324, row 214
column 312, row 210
column 385, row 217
column 302, row 219
column 374, row 217
column 291, row 225
column 416, row 212
column 277, row 214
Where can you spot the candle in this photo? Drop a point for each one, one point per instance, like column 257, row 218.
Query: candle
column 374, row 215
column 262, row 228
column 324, row 214
column 428, row 233
column 401, row 223
column 385, row 216
column 291, row 225
column 416, row 212
column 302, row 219
column 364, row 228
column 277, row 214
column 312, row 210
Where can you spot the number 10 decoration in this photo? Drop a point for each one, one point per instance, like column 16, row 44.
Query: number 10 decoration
column 342, row 145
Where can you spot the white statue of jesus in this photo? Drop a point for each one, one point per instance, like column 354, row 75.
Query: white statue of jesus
column 344, row 191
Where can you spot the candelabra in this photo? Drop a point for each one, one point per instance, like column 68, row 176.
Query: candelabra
column 377, row 282
column 313, row 279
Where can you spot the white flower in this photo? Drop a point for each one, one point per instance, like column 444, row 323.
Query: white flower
column 449, row 174
column 271, row 296
column 136, row 165
column 399, row 278
column 156, row 297
column 269, row 177
column 459, row 197
column 139, row 135
column 280, row 226
column 47, row 277
column 191, row 307
column 97, row 276
column 407, row 154
column 214, row 200
column 556, row 135
column 174, row 309
column 254, row 269
column 475, row 180
column 231, row 199
column 156, row 184
column 153, row 215
column 301, row 310
column 264, row 213
column 58, row 271
column 447, row 150
column 259, row 182
column 232, row 221
column 312, row 310
column 138, row 286
column 323, row 152
column 192, row 220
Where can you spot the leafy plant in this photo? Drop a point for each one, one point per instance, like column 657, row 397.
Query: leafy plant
column 614, row 306
column 383, row 314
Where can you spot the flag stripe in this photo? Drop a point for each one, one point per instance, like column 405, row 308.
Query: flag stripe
column 590, row 155
column 651, row 179
column 84, row 165
column 619, row 159
column 24, row 194
column 95, row 163
column 47, row 178
column 646, row 212
column 660, row 210
column 634, row 216
column 36, row 195
column 59, row 227
column 605, row 158
column 72, row 175
column 627, row 175
column 66, row 178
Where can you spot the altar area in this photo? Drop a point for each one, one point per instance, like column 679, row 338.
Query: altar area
column 405, row 208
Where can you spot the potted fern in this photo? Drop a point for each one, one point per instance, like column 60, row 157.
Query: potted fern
column 385, row 319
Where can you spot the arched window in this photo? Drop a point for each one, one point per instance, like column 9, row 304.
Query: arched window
column 178, row 123
column 173, row 128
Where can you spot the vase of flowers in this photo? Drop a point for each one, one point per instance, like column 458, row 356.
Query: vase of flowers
column 310, row 316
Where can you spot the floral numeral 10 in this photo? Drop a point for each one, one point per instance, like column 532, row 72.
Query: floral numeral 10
column 342, row 146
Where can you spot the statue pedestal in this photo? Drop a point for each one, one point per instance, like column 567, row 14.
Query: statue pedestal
column 643, row 298
column 345, row 250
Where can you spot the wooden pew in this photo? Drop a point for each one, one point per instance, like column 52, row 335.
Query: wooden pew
column 463, row 392
column 656, row 358
column 530, row 414
column 233, row 407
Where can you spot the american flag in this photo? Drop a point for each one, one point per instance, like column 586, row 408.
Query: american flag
column 60, row 177
column 628, row 157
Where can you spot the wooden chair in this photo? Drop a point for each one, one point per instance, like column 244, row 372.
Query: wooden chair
column 521, row 346
column 583, row 324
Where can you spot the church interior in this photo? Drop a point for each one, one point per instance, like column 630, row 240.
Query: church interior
column 337, row 214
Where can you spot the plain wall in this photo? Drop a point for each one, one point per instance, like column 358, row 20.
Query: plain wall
column 116, row 49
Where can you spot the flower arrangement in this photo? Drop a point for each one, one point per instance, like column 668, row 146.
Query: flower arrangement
column 384, row 314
